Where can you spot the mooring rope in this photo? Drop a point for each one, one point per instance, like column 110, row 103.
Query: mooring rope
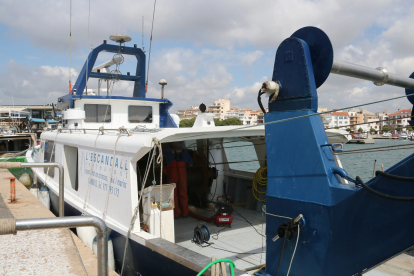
column 134, row 217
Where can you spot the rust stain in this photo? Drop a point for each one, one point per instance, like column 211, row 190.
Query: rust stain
column 12, row 189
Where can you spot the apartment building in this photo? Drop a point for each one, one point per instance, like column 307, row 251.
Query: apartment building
column 336, row 119
column 219, row 108
column 260, row 115
column 399, row 119
column 232, row 113
column 383, row 119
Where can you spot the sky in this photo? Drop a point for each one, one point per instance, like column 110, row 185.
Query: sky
column 204, row 49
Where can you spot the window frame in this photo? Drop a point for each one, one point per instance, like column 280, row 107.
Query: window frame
column 152, row 114
column 97, row 113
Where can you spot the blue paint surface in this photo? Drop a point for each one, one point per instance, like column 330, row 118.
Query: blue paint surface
column 86, row 72
column 347, row 229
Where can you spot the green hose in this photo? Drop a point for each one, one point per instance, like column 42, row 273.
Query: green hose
column 231, row 266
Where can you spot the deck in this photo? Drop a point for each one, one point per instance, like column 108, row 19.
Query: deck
column 246, row 244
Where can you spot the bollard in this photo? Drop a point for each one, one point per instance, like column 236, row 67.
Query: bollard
column 12, row 189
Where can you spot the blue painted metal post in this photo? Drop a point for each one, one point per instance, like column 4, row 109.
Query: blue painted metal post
column 139, row 78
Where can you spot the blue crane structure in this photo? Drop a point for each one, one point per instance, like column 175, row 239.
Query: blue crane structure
column 346, row 228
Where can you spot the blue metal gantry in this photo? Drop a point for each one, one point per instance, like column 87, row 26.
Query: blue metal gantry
column 139, row 92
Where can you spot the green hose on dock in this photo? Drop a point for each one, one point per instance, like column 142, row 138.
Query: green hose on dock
column 231, row 266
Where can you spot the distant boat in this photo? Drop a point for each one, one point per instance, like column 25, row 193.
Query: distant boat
column 336, row 136
column 403, row 136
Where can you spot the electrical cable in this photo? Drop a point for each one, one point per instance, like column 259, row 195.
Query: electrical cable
column 294, row 251
column 218, row 232
column 249, row 223
column 70, row 48
column 215, row 190
column 302, row 116
column 259, row 100
column 87, row 57
column 393, row 176
column 283, row 247
column 368, row 150
column 149, row 53
column 397, row 198
column 238, row 253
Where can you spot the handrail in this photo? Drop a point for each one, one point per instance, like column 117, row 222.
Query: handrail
column 10, row 226
column 14, row 165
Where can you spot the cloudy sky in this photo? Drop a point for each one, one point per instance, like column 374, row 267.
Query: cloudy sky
column 204, row 49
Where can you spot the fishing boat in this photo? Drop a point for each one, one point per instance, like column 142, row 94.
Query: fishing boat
column 292, row 211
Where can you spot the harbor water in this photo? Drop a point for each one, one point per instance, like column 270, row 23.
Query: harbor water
column 356, row 164
column 362, row 164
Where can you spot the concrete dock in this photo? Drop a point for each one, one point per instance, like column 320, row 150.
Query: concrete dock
column 39, row 252
column 361, row 141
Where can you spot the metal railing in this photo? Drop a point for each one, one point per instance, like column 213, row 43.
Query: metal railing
column 11, row 226
column 14, row 165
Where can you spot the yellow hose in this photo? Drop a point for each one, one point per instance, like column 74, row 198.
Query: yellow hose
column 260, row 179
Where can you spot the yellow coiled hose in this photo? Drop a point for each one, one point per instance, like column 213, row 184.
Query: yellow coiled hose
column 260, row 178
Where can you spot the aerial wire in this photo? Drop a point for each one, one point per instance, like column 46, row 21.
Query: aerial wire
column 143, row 49
column 70, row 47
column 149, row 54
column 302, row 116
column 87, row 57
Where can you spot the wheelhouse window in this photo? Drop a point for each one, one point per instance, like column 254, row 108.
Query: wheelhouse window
column 139, row 114
column 49, row 156
column 95, row 113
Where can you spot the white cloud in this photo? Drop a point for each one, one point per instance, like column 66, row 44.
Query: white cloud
column 219, row 23
column 39, row 84
column 210, row 39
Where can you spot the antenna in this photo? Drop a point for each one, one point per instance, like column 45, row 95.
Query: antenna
column 70, row 47
column 143, row 49
column 149, row 55
column 87, row 56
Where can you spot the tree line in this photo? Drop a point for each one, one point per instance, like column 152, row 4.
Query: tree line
column 217, row 122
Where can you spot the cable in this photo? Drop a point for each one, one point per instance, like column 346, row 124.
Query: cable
column 231, row 266
column 397, row 198
column 214, row 161
column 134, row 217
column 259, row 100
column 368, row 150
column 218, row 232
column 283, row 247
column 149, row 54
column 249, row 223
column 396, row 177
column 70, row 47
column 302, row 116
column 87, row 57
column 294, row 251
column 261, row 180
column 239, row 253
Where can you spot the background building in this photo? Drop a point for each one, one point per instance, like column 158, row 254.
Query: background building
column 399, row 119
column 188, row 113
column 219, row 108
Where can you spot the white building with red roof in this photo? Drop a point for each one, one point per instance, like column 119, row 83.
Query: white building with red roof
column 337, row 119
column 400, row 118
